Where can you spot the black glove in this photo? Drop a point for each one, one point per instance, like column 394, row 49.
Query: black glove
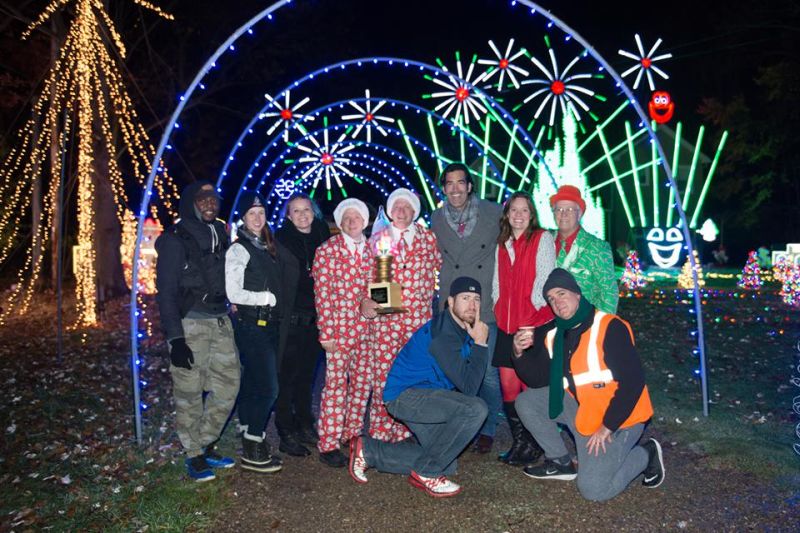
column 180, row 354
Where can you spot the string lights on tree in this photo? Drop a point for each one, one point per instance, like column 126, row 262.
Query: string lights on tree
column 790, row 289
column 685, row 279
column 633, row 277
column 83, row 97
column 751, row 274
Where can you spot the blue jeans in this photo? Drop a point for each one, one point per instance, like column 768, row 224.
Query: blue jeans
column 490, row 388
column 443, row 421
column 258, row 351
column 600, row 477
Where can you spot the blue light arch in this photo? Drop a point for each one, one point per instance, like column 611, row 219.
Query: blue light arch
column 267, row 13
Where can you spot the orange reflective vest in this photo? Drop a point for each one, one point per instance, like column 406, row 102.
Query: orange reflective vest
column 595, row 385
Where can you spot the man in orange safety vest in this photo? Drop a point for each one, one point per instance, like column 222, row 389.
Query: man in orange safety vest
column 596, row 390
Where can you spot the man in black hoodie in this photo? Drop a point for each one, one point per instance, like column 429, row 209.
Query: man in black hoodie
column 190, row 278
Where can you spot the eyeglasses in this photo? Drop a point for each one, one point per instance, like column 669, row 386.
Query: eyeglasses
column 568, row 210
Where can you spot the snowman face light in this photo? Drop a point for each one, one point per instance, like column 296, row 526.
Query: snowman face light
column 665, row 246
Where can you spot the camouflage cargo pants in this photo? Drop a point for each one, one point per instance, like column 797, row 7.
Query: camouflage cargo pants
column 215, row 372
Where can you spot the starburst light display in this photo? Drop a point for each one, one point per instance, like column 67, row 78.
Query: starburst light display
column 645, row 63
column 368, row 115
column 85, row 105
column 461, row 93
column 561, row 88
column 286, row 114
column 503, row 63
column 325, row 160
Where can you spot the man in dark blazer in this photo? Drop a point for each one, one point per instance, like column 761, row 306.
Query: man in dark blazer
column 466, row 229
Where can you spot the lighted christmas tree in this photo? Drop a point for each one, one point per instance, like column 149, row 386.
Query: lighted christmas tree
column 685, row 279
column 790, row 291
column 780, row 269
column 633, row 277
column 85, row 104
column 751, row 274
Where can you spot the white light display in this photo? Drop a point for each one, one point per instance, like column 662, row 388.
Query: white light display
column 665, row 246
column 563, row 162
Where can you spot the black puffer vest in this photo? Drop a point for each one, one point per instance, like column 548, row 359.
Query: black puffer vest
column 262, row 273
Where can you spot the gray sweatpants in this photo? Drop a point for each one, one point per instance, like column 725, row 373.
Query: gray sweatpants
column 216, row 372
column 600, row 477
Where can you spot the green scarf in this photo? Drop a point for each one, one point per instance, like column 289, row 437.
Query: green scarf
column 557, row 363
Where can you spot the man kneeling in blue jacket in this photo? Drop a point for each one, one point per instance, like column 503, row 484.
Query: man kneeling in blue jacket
column 432, row 388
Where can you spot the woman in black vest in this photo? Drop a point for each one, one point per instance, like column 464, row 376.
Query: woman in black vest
column 302, row 232
column 260, row 280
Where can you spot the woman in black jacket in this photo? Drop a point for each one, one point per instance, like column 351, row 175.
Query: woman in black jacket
column 260, row 280
column 302, row 232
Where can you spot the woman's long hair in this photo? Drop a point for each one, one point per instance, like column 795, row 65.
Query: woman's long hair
column 505, row 226
column 269, row 240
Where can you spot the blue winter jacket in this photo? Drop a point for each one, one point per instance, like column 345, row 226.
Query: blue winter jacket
column 440, row 355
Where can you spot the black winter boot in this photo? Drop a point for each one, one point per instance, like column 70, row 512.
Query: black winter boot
column 529, row 452
column 290, row 444
column 257, row 456
column 517, row 431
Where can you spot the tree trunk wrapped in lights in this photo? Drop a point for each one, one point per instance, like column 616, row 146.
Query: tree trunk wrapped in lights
column 83, row 102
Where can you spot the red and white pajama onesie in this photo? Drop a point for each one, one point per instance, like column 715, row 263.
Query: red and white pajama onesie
column 341, row 278
column 415, row 267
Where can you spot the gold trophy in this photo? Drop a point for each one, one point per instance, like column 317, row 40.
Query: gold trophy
column 383, row 290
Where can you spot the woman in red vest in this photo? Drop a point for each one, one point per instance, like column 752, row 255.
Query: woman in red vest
column 525, row 258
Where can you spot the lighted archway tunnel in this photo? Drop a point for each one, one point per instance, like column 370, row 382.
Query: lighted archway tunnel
column 522, row 117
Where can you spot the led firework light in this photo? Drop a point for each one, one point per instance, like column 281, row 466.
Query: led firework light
column 504, row 64
column 368, row 117
column 645, row 63
column 560, row 87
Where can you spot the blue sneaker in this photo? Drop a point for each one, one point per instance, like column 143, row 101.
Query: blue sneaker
column 216, row 460
column 198, row 469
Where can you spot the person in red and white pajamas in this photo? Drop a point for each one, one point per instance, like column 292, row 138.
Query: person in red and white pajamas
column 341, row 270
column 416, row 263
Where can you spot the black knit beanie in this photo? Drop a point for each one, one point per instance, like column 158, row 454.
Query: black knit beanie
column 247, row 201
column 560, row 278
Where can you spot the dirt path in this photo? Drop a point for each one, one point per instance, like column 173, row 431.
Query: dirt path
column 307, row 496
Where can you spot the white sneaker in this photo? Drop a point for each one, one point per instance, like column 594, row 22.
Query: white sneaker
column 438, row 487
column 358, row 463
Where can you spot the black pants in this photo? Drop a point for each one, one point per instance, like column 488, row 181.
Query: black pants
column 296, row 378
column 258, row 352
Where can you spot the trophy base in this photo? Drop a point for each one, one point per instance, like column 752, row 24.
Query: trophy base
column 391, row 310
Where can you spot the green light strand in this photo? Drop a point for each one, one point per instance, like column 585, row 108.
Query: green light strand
column 622, row 175
column 676, row 151
column 637, row 186
column 599, row 127
column 613, row 168
column 655, row 161
column 435, row 142
column 711, row 170
column 416, row 164
column 463, row 152
column 508, row 155
column 693, row 168
column 621, row 145
column 485, row 156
